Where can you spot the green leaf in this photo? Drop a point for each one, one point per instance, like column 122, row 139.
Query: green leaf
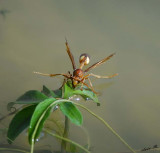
column 86, row 93
column 58, row 92
column 39, row 116
column 72, row 112
column 30, row 97
column 42, row 112
column 68, row 91
column 49, row 92
column 20, row 122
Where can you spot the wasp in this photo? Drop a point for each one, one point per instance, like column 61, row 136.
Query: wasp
column 79, row 75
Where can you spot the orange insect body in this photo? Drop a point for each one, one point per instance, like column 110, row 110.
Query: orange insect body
column 78, row 74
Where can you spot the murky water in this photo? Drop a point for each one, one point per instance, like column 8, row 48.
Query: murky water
column 32, row 37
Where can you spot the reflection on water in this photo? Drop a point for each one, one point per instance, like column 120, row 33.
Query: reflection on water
column 32, row 38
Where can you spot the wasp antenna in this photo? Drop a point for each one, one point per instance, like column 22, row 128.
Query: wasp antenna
column 99, row 63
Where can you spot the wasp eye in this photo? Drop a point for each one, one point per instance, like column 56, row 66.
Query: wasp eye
column 84, row 58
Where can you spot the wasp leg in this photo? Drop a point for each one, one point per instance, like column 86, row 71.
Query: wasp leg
column 83, row 83
column 81, row 87
column 91, row 86
column 90, row 82
column 64, row 81
column 52, row 75
column 98, row 76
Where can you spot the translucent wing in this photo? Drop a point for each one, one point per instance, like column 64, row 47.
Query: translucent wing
column 99, row 63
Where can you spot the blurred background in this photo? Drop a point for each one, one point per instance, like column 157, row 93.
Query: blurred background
column 32, row 38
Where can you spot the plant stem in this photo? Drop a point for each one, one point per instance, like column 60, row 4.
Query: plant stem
column 108, row 126
column 67, row 140
column 65, row 135
column 32, row 147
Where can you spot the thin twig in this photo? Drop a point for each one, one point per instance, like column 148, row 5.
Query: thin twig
column 108, row 126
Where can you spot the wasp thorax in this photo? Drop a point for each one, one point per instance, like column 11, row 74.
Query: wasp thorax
column 78, row 73
column 84, row 58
